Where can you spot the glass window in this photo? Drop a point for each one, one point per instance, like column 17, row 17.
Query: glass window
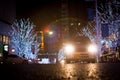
column 3, row 39
column 6, row 41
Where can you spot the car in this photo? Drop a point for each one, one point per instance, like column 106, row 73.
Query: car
column 78, row 52
column 14, row 59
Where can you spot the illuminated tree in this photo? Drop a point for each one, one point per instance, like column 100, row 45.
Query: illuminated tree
column 109, row 13
column 61, row 55
column 89, row 31
column 24, row 39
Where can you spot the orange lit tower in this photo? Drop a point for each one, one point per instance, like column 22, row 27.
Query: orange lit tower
column 42, row 40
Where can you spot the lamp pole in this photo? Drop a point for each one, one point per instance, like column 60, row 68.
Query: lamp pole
column 97, row 31
column 97, row 28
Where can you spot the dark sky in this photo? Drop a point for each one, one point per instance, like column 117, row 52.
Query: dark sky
column 43, row 12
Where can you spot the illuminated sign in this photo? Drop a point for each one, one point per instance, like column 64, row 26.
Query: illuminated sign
column 6, row 47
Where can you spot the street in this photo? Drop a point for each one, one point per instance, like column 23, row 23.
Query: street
column 76, row 71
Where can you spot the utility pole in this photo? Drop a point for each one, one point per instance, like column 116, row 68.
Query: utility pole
column 97, row 28
column 98, row 31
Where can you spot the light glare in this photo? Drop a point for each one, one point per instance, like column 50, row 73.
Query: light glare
column 62, row 61
column 69, row 49
column 92, row 48
column 50, row 33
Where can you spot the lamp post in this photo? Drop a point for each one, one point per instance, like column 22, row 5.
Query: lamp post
column 97, row 28
column 97, row 31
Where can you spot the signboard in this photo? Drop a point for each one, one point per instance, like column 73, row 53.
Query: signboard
column 5, row 47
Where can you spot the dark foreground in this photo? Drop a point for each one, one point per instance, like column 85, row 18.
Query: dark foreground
column 100, row 71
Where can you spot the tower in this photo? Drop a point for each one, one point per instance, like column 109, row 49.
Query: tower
column 64, row 22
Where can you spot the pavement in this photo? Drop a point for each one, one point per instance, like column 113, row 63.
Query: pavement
column 76, row 71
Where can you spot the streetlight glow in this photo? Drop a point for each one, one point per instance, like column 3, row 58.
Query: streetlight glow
column 50, row 33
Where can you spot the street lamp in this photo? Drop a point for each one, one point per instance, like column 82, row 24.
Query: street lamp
column 50, row 32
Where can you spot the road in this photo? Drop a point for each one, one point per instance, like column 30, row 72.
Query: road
column 76, row 71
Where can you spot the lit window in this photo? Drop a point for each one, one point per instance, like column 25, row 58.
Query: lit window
column 4, row 39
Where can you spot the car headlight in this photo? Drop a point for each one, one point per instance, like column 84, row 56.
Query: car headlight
column 92, row 48
column 69, row 49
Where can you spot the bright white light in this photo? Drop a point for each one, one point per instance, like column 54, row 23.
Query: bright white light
column 62, row 61
column 44, row 61
column 69, row 48
column 51, row 33
column 92, row 48
column 38, row 59
column 30, row 60
column 6, row 47
column 13, row 50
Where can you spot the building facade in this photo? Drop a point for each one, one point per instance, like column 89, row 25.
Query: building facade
column 7, row 16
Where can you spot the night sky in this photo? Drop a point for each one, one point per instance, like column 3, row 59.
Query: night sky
column 43, row 12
